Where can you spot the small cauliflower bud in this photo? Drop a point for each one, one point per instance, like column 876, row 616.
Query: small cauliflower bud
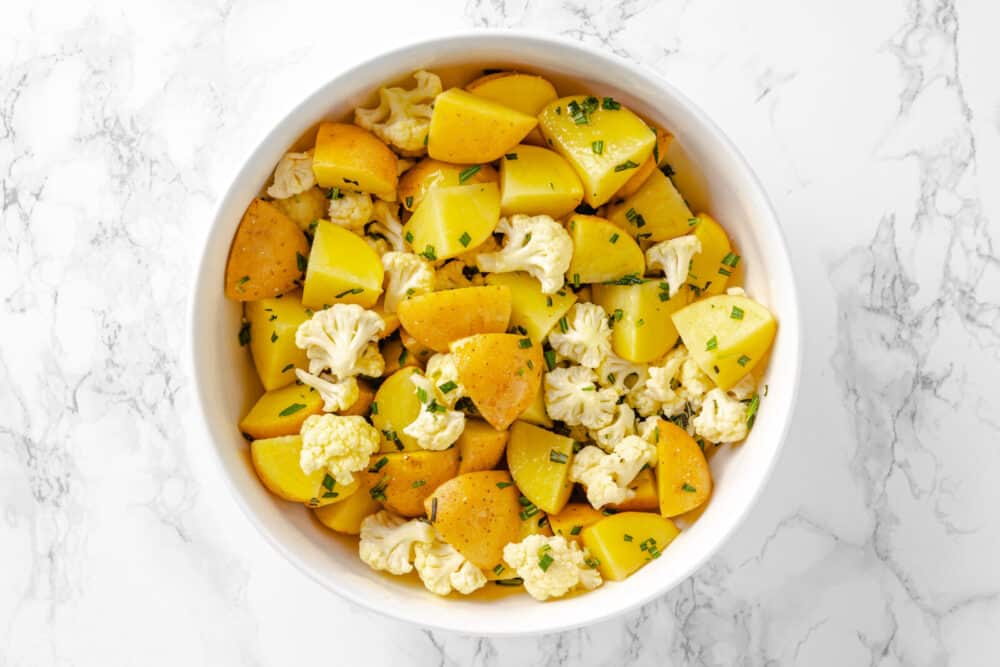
column 352, row 210
column 661, row 390
column 572, row 396
column 442, row 371
column 621, row 374
column 745, row 388
column 673, row 257
column 454, row 274
column 338, row 444
column 436, row 427
column 722, row 418
column 336, row 395
column 536, row 244
column 403, row 117
column 292, row 176
column 405, row 275
column 343, row 340
column 649, row 430
column 550, row 566
column 443, row 569
column 385, row 232
column 606, row 476
column 583, row 336
column 622, row 426
column 387, row 541
column 694, row 383
column 736, row 291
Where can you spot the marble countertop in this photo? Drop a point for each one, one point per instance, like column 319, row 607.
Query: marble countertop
column 875, row 126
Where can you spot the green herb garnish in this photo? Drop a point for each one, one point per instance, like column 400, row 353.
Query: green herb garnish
column 291, row 409
column 557, row 456
column 468, row 173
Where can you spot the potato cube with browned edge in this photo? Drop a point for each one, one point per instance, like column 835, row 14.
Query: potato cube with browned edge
column 480, row 447
column 405, row 479
column 352, row 158
column 467, row 128
column 267, row 255
column 683, row 476
column 501, row 373
column 437, row 319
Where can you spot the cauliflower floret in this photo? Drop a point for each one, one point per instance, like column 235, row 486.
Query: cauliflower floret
column 338, row 444
column 343, row 340
column 694, row 383
column 673, row 257
column 623, row 425
column 405, row 275
column 352, row 210
column 660, row 391
column 436, row 427
column 454, row 274
column 443, row 374
column 387, row 541
column 607, row 476
column 536, row 244
column 385, row 232
column 442, row 569
column 293, row 175
column 736, row 291
column 621, row 374
column 649, row 430
column 745, row 388
column 583, row 336
column 402, row 117
column 550, row 566
column 336, row 395
column 572, row 396
column 722, row 418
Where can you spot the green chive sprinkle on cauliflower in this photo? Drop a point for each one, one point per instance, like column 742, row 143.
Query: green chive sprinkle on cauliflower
column 406, row 275
column 352, row 210
column 536, row 244
column 572, row 396
column 436, row 427
column 587, row 336
column 387, row 541
column 403, row 117
column 606, row 476
column 550, row 566
column 341, row 445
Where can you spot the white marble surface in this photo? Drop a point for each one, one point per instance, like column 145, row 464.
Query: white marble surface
column 874, row 125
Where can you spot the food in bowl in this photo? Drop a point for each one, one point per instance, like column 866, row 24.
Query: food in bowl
column 495, row 342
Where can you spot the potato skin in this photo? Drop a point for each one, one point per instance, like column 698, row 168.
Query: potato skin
column 469, row 129
column 684, row 479
column 480, row 446
column 346, row 517
column 407, row 478
column 429, row 173
column 264, row 257
column 478, row 514
column 351, row 157
column 501, row 373
column 438, row 318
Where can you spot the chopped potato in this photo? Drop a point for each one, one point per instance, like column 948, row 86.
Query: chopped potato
column 267, row 254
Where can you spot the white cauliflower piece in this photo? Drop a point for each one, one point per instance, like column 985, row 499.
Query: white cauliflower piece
column 550, row 566
column 293, row 175
column 343, row 339
column 736, row 291
column 443, row 374
column 607, row 476
column 387, row 541
column 660, row 391
column 337, row 395
column 572, row 396
column 722, row 418
column 454, row 274
column 583, row 336
column 405, row 275
column 403, row 117
column 385, row 232
column 673, row 257
column 536, row 244
column 649, row 430
column 621, row 374
column 694, row 383
column 436, row 427
column 352, row 210
column 622, row 426
column 338, row 444
column 442, row 568
column 745, row 388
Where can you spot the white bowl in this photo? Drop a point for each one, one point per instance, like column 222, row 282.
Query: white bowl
column 224, row 376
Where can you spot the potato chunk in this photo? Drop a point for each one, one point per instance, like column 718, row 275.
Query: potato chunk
column 663, row 139
column 625, row 542
column 601, row 252
column 395, row 407
column 342, row 268
column 708, row 274
column 467, row 128
column 604, row 141
column 645, row 498
column 276, row 462
column 438, row 318
column 304, row 208
column 453, row 220
column 656, row 210
column 573, row 518
column 478, row 513
column 527, row 93
column 501, row 374
column 273, row 323
column 406, row 479
column 642, row 329
column 429, row 174
column 532, row 310
column 683, row 476
column 352, row 158
column 535, row 181
column 281, row 411
column 539, row 462
column 346, row 516
column 480, row 447
column 727, row 335
column 264, row 259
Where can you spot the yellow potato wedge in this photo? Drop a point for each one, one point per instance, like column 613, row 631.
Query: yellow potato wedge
column 527, row 93
column 453, row 220
column 397, row 356
column 536, row 181
column 478, row 513
column 663, row 139
column 623, row 543
column 273, row 323
column 480, row 447
column 276, row 462
column 539, row 462
column 642, row 327
column 468, row 129
column 708, row 274
column 281, row 411
column 346, row 516
column 601, row 252
column 349, row 157
column 501, row 373
column 532, row 310
column 683, row 475
column 406, row 479
column 657, row 211
column 266, row 256
column 429, row 174
column 573, row 518
column 342, row 268
column 394, row 408
column 645, row 498
column 438, row 318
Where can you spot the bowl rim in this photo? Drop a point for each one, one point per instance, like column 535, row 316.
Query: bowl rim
column 790, row 320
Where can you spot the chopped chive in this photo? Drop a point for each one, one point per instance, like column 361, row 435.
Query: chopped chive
column 627, row 537
column 409, row 202
column 374, row 407
column 421, row 395
column 530, row 364
column 287, row 368
column 328, row 482
column 353, row 290
column 597, row 146
column 334, row 193
column 244, row 335
column 379, row 464
column 550, row 359
column 291, row 409
column 418, row 483
column 712, row 343
column 725, row 272
column 628, row 279
column 468, row 173
column 688, row 488
column 515, row 581
column 611, row 104
column 498, row 569
column 434, row 509
column 737, row 313
column 618, row 315
column 504, row 485
column 557, row 457
column 624, row 166
column 465, row 239
column 274, row 336
column 511, row 156
column 576, row 280
column 430, row 253
column 614, row 238
column 743, row 360
column 524, row 343
column 692, row 222
column 302, row 262
column 575, row 530
column 563, row 324
column 548, row 301
column 752, row 409
column 731, row 259
column 403, row 355
column 544, row 562
column 409, row 237
column 447, row 387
